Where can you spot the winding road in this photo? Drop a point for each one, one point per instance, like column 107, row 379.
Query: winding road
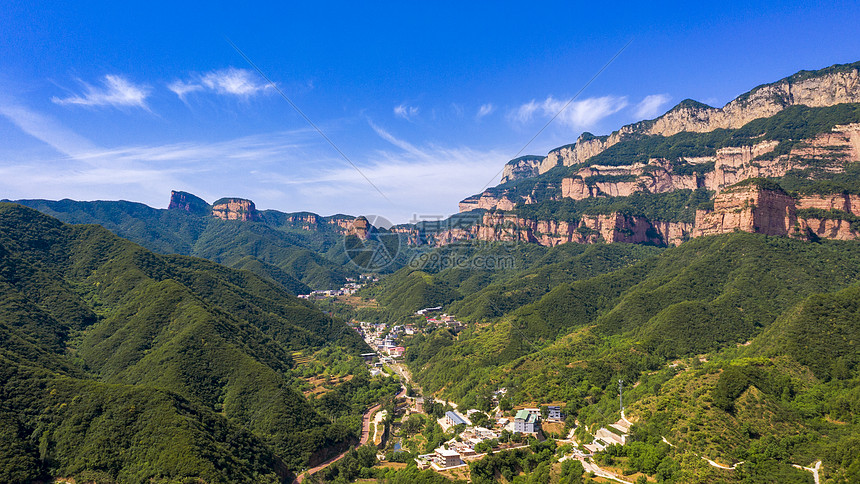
column 365, row 435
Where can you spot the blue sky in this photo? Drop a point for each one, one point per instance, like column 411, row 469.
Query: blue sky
column 128, row 101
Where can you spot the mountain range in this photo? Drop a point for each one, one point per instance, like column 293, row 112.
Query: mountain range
column 708, row 257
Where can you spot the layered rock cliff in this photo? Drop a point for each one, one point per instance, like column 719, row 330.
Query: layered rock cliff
column 748, row 208
column 826, row 87
column 235, row 209
column 188, row 202
column 612, row 227
column 755, row 205
column 730, row 165
column 522, row 167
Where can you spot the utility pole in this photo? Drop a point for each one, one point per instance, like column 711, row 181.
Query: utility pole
column 621, row 394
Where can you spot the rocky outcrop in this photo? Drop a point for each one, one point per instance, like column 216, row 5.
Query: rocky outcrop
column 522, row 167
column 188, row 202
column 828, row 151
column 826, row 229
column 487, row 200
column 748, row 208
column 826, row 87
column 235, row 209
column 837, row 201
column 613, row 227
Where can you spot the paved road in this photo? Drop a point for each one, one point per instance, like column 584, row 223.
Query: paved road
column 814, row 470
column 365, row 435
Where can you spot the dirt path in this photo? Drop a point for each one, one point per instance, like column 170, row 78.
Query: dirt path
column 709, row 461
column 365, row 436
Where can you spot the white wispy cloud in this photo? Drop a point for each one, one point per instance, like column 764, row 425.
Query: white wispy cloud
column 525, row 112
column 651, row 106
column 181, row 88
column 117, row 92
column 405, row 111
column 288, row 171
column 403, row 145
column 425, row 181
column 143, row 173
column 485, row 110
column 230, row 81
column 580, row 114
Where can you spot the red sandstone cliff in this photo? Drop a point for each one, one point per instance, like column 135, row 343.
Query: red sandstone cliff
column 235, row 209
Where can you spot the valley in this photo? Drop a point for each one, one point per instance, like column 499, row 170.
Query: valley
column 677, row 301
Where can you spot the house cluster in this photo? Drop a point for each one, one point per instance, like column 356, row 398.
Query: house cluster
column 451, row 453
column 347, row 289
column 380, row 338
column 446, row 321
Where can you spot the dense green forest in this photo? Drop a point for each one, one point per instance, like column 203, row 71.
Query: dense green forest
column 776, row 319
column 470, row 278
column 119, row 364
column 304, row 258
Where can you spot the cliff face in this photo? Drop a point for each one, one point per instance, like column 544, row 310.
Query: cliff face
column 487, row 200
column 522, row 167
column 754, row 207
column 827, row 87
column 838, row 201
column 235, row 209
column 730, row 165
column 614, row 227
column 822, row 88
column 748, row 209
column 188, row 202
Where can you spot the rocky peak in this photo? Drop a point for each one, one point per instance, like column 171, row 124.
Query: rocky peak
column 188, row 202
column 755, row 205
column 235, row 209
column 522, row 167
column 360, row 227
column 821, row 88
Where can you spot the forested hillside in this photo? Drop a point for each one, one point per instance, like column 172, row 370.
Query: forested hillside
column 750, row 305
column 121, row 364
column 273, row 241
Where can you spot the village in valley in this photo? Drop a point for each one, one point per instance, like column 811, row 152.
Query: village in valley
column 469, row 434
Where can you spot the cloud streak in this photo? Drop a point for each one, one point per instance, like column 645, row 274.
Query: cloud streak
column 406, row 112
column 650, row 106
column 117, row 92
column 226, row 82
column 425, row 181
column 485, row 110
column 581, row 114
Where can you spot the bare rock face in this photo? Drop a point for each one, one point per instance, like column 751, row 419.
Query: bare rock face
column 827, row 229
column 487, row 200
column 235, row 209
column 731, row 165
column 360, row 227
column 522, row 167
column 188, row 202
column 837, row 201
column 614, row 227
column 749, row 208
column 826, row 87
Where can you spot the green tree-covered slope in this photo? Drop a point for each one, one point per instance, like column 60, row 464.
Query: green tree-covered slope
column 141, row 366
column 273, row 240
